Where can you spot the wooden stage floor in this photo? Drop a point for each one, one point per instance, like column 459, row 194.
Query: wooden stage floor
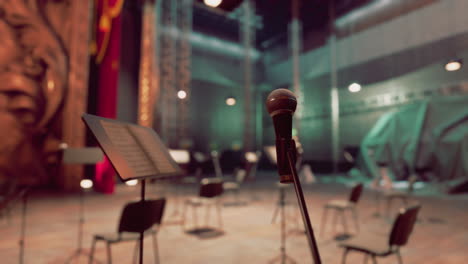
column 440, row 236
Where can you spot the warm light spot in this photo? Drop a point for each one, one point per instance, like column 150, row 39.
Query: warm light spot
column 181, row 94
column 251, row 157
column 453, row 65
column 230, row 101
column 354, row 87
column 212, row 3
column 50, row 85
column 131, row 182
column 86, row 184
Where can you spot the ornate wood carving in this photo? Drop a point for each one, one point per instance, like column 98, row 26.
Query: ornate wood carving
column 43, row 62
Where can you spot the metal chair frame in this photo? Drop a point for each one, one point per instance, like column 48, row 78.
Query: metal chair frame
column 136, row 217
column 341, row 206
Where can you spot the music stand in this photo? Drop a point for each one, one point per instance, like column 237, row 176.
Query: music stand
column 135, row 152
column 81, row 156
column 280, row 205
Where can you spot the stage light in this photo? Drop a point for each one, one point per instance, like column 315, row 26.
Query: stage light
column 212, row 3
column 181, row 94
column 86, row 183
column 354, row 87
column 131, row 182
column 230, row 101
column 251, row 157
column 453, row 65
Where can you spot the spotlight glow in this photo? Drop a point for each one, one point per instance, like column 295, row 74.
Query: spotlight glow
column 251, row 157
column 354, row 87
column 453, row 65
column 131, row 182
column 181, row 94
column 212, row 3
column 230, row 101
column 86, row 184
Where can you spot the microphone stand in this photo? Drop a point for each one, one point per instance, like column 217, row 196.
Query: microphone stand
column 302, row 205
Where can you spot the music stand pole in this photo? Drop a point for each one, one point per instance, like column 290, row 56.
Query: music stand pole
column 143, row 183
column 23, row 193
column 305, row 214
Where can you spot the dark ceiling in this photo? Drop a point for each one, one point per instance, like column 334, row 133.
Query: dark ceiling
column 274, row 16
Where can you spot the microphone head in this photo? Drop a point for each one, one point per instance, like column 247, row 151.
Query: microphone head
column 281, row 101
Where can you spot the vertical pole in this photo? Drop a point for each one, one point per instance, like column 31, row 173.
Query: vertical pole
column 335, row 103
column 168, row 70
column 303, row 206
column 248, row 39
column 142, row 199
column 295, row 39
column 183, row 69
column 149, row 65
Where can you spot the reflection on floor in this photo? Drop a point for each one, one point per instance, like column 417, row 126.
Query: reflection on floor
column 248, row 235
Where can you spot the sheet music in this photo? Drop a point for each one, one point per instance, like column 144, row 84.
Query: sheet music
column 129, row 148
column 152, row 147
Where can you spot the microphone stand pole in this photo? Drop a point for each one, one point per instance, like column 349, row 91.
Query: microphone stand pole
column 302, row 205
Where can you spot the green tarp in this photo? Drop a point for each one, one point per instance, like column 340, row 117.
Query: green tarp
column 431, row 134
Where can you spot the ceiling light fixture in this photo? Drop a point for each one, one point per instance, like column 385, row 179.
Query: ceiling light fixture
column 453, row 65
column 354, row 87
column 181, row 94
column 212, row 3
column 230, row 101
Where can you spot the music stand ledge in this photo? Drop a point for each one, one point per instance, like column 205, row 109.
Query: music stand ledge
column 135, row 152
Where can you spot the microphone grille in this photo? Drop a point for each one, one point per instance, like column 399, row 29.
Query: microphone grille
column 281, row 101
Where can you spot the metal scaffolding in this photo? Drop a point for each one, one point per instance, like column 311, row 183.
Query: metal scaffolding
column 149, row 66
column 295, row 42
column 183, row 65
column 248, row 41
column 167, row 110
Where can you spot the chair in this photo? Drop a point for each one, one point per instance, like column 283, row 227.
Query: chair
column 404, row 196
column 340, row 207
column 234, row 186
column 379, row 246
column 8, row 194
column 209, row 193
column 136, row 217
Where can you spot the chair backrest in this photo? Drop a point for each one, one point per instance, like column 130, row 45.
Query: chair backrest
column 216, row 164
column 403, row 226
column 356, row 193
column 239, row 175
column 211, row 187
column 141, row 215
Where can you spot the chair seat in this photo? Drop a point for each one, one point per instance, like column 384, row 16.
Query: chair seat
column 124, row 236
column 199, row 201
column 369, row 243
column 339, row 204
column 230, row 185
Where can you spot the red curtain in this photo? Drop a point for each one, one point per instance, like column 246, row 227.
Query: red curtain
column 108, row 31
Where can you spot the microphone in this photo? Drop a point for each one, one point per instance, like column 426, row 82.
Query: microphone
column 281, row 104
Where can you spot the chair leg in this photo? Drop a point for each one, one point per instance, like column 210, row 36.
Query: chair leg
column 366, row 256
column 207, row 215
column 109, row 255
column 324, row 219
column 275, row 213
column 343, row 220
column 400, row 259
column 135, row 252
column 91, row 254
column 184, row 215
column 335, row 215
column 374, row 260
column 355, row 216
column 345, row 253
column 220, row 219
column 155, row 248
column 195, row 216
